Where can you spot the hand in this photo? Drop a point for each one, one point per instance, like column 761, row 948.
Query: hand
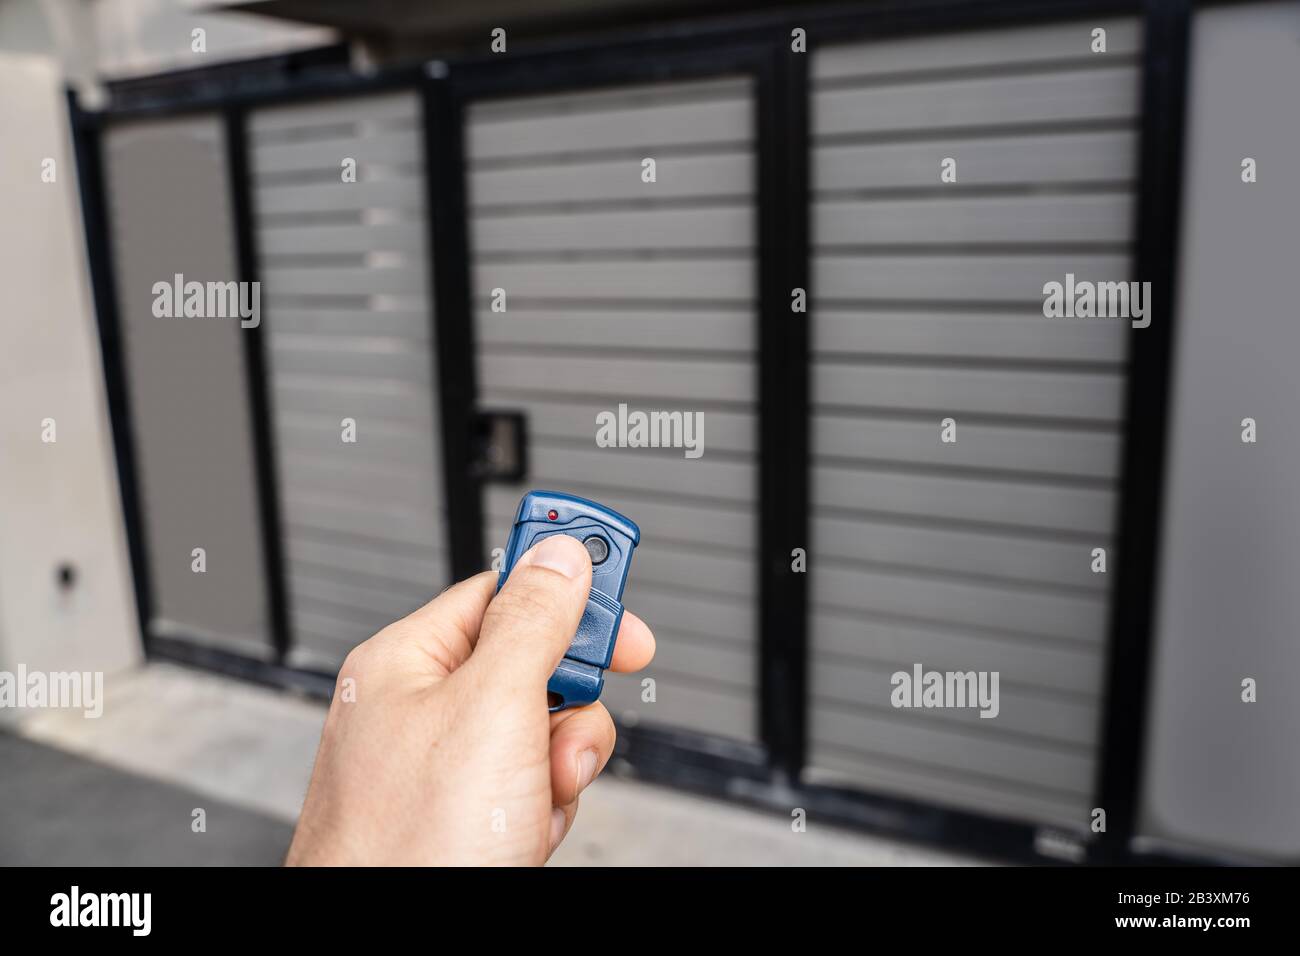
column 438, row 748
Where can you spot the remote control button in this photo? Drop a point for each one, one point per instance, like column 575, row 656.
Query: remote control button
column 597, row 547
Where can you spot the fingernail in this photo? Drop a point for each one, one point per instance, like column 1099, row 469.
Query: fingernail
column 587, row 761
column 557, row 827
column 561, row 553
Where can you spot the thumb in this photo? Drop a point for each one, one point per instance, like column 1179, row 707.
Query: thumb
column 528, row 626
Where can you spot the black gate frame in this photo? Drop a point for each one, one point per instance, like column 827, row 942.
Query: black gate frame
column 768, row 775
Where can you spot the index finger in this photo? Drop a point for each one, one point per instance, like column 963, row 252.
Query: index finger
column 635, row 646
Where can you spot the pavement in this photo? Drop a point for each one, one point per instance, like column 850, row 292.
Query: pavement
column 124, row 788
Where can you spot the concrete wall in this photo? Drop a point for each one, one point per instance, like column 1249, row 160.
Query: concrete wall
column 1220, row 774
column 151, row 36
column 60, row 498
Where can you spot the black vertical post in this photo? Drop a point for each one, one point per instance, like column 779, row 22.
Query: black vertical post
column 783, row 373
column 259, row 393
column 87, row 149
column 452, row 316
column 1164, row 81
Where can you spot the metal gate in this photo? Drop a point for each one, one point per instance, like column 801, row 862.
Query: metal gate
column 190, row 432
column 797, row 272
column 975, row 554
column 620, row 292
column 341, row 233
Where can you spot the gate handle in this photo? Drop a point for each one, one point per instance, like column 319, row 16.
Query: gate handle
column 500, row 451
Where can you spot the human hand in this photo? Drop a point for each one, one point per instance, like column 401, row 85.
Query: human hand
column 445, row 753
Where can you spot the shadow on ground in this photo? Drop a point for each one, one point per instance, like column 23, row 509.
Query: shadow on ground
column 64, row 810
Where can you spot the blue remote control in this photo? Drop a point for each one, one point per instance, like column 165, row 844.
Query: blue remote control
column 610, row 540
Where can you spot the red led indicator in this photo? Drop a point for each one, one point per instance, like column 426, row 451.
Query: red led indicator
column 552, row 514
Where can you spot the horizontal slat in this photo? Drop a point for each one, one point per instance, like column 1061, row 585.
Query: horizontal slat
column 336, row 280
column 706, row 709
column 404, row 193
column 1015, row 558
column 1018, row 45
column 633, row 470
column 425, row 573
column 916, row 736
column 966, row 335
column 390, row 602
column 377, row 440
column 675, row 567
column 326, row 635
column 1108, row 93
column 923, row 221
column 349, row 618
column 982, row 278
column 997, row 607
column 325, row 411
column 309, row 652
column 1018, row 504
column 677, row 380
column 394, row 147
column 1029, row 160
column 371, row 359
column 725, row 662
column 318, row 399
column 714, row 617
column 413, row 485
column 406, row 324
column 701, row 227
column 576, row 421
column 727, row 174
column 1084, row 396
column 731, row 330
column 400, row 525
column 935, row 786
column 361, row 239
column 340, row 110
column 1020, row 713
column 671, row 520
column 645, row 127
column 1052, row 666
column 617, row 97
column 1039, row 450
column 725, row 279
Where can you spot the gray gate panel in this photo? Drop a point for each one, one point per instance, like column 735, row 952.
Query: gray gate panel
column 168, row 188
column 624, row 291
column 345, row 271
column 928, row 305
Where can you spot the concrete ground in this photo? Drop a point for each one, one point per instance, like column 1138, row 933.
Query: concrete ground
column 249, row 748
column 61, row 809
